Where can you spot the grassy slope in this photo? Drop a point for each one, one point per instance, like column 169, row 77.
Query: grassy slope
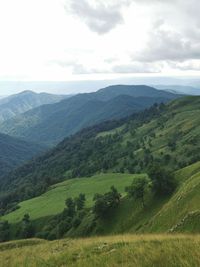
column 109, row 251
column 181, row 123
column 182, row 211
column 53, row 201
column 160, row 214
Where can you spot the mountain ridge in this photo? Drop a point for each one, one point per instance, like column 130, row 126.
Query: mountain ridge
column 19, row 103
column 41, row 124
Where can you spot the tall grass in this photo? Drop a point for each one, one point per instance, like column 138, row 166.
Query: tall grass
column 110, row 251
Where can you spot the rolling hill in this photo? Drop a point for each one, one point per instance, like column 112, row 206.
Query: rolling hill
column 50, row 124
column 19, row 103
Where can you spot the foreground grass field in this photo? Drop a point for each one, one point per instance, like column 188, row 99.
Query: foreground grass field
column 53, row 201
column 110, row 251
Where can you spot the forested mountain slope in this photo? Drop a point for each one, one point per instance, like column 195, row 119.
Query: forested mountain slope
column 14, row 152
column 167, row 135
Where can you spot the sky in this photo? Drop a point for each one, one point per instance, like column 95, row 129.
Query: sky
column 75, row 40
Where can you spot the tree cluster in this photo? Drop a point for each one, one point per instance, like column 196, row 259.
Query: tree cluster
column 106, row 202
column 160, row 181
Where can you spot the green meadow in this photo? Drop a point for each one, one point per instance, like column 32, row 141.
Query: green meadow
column 53, row 201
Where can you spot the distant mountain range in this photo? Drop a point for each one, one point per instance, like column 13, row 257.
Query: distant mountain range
column 14, row 152
column 180, row 89
column 49, row 124
column 19, row 103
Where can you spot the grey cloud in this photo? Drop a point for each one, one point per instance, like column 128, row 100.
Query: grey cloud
column 175, row 35
column 110, row 60
column 168, row 45
column 78, row 68
column 137, row 67
column 100, row 18
column 185, row 66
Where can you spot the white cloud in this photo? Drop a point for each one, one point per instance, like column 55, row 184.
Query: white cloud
column 41, row 41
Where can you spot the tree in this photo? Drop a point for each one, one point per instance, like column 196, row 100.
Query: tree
column 4, row 231
column 80, row 201
column 63, row 227
column 138, row 188
column 26, row 218
column 27, row 229
column 104, row 203
column 70, row 203
column 163, row 182
column 114, row 197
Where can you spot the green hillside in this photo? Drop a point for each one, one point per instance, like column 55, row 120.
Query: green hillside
column 166, row 135
column 182, row 212
column 177, row 213
column 53, row 201
column 109, row 251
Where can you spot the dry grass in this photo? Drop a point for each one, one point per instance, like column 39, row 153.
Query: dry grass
column 110, row 251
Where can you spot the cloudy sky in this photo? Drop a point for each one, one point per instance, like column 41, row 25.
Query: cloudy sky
column 90, row 39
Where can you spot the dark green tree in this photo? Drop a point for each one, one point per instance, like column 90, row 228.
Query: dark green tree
column 80, row 201
column 70, row 203
column 104, row 203
column 27, row 229
column 163, row 182
column 4, row 231
column 139, row 188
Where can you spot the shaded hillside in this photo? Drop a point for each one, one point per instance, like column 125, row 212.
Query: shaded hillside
column 16, row 104
column 14, row 152
column 50, row 124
